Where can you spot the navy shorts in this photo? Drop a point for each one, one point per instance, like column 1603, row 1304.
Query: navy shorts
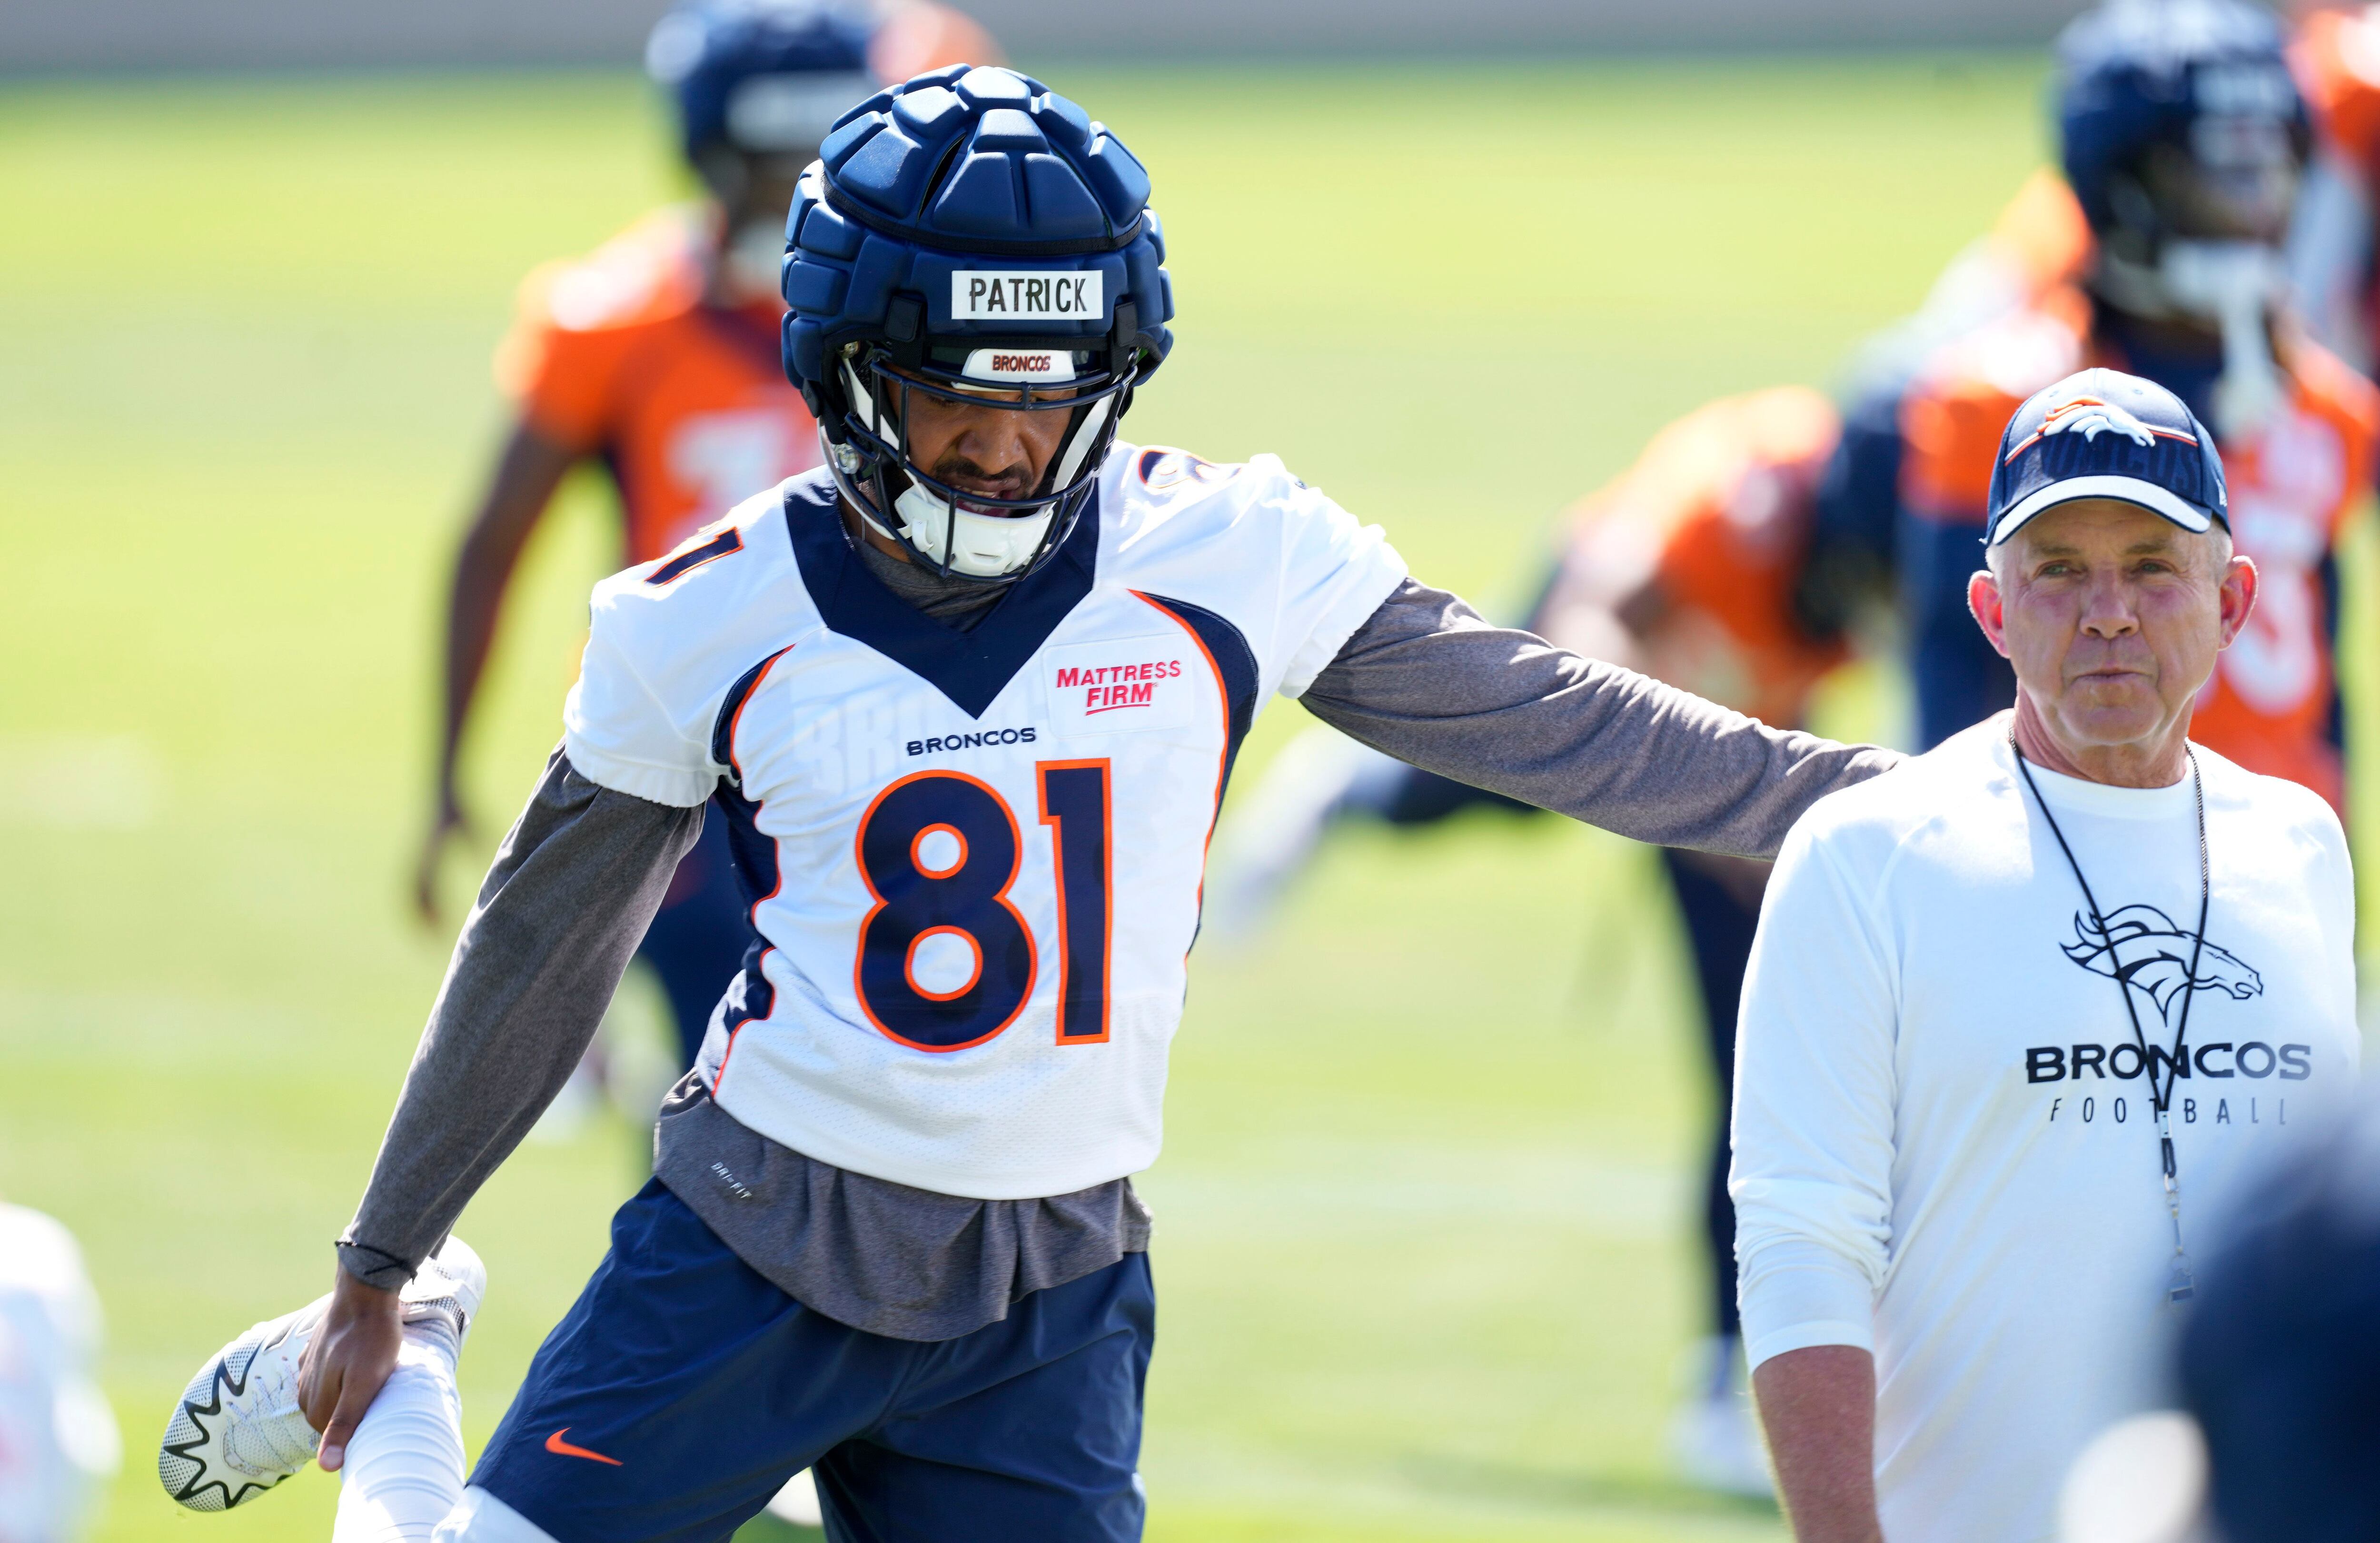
column 682, row 1390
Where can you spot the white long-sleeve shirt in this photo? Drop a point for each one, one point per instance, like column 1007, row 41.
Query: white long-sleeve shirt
column 1945, row 1151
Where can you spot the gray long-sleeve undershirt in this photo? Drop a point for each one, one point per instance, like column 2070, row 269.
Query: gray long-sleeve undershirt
column 533, row 970
column 1425, row 680
column 1428, row 681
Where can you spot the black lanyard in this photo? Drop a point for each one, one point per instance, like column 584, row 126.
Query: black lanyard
column 2182, row 1285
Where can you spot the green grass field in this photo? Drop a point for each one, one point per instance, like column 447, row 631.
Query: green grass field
column 1424, row 1248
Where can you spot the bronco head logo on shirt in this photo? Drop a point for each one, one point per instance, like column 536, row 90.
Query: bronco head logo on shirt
column 2160, row 958
column 2140, row 946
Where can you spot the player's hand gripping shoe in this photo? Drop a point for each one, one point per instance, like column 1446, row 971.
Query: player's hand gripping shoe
column 238, row 1430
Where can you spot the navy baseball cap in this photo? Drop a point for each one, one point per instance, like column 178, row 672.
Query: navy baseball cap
column 2101, row 433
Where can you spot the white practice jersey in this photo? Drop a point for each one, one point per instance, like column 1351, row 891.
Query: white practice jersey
column 977, row 855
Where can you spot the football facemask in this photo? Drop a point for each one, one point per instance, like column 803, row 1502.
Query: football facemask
column 961, row 531
column 2199, row 239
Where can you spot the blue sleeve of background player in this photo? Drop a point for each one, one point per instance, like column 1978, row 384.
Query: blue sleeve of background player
column 1852, row 548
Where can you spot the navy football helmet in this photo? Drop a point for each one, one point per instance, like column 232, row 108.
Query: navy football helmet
column 2180, row 118
column 759, row 77
column 2184, row 138
column 971, row 232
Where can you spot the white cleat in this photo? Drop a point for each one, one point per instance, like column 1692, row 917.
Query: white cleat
column 440, row 1301
column 238, row 1430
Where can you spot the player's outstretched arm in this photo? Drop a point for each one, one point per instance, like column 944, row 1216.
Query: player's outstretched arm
column 1428, row 680
column 528, row 470
column 572, row 888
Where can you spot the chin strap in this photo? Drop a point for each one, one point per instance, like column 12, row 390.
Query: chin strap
column 980, row 546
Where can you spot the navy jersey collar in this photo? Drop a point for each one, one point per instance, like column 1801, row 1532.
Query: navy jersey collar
column 971, row 667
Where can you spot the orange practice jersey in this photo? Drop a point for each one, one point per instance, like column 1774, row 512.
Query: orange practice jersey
column 2293, row 482
column 1715, row 518
column 615, row 354
column 2041, row 239
column 913, row 36
column 2337, row 60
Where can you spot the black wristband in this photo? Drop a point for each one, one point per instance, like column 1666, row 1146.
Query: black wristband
column 376, row 1267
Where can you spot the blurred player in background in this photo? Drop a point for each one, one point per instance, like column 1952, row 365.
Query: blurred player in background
column 2040, row 246
column 656, row 356
column 2336, row 57
column 1686, row 567
column 2184, row 133
column 2184, row 141
column 58, row 1442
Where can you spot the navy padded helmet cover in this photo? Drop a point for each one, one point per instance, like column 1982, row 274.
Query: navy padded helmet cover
column 2056, row 437
column 2135, row 72
column 967, row 168
column 701, row 52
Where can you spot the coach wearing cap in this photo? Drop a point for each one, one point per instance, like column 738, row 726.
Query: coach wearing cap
column 2022, row 1010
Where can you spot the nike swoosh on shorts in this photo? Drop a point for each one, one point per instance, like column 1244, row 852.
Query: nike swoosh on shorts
column 560, row 1448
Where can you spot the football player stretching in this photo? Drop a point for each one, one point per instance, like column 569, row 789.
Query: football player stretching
column 968, row 696
column 655, row 357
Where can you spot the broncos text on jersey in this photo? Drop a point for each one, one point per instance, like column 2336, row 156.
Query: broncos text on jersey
column 978, row 856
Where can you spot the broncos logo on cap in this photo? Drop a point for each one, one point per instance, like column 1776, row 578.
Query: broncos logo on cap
column 2159, row 958
column 2091, row 417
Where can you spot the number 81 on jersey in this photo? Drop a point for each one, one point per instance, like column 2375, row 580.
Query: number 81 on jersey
column 946, row 961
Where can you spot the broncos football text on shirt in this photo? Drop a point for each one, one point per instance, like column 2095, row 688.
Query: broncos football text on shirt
column 2293, row 480
column 617, row 355
column 972, row 959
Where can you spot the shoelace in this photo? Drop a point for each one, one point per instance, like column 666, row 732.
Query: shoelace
column 269, row 1434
